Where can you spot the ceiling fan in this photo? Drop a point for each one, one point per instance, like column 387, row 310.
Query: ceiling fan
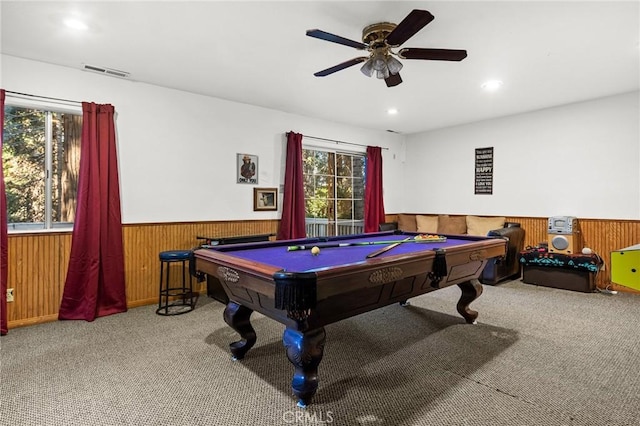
column 379, row 40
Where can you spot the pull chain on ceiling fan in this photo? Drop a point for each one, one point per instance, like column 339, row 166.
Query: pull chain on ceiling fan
column 379, row 40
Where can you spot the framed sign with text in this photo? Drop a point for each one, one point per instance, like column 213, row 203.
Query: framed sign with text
column 484, row 171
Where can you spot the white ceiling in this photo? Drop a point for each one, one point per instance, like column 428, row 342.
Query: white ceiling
column 546, row 53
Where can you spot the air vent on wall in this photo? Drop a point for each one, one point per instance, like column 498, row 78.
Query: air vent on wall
column 106, row 71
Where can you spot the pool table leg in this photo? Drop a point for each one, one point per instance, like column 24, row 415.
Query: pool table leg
column 471, row 290
column 237, row 316
column 304, row 350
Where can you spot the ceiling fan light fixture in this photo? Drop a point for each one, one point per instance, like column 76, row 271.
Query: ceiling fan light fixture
column 379, row 39
column 394, row 65
column 367, row 68
column 379, row 61
column 383, row 73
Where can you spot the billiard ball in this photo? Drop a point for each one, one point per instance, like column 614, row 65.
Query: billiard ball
column 315, row 251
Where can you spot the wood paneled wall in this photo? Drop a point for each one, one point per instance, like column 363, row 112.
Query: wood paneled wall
column 38, row 262
column 142, row 243
column 36, row 272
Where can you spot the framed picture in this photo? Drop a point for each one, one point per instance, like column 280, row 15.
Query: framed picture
column 265, row 199
column 247, row 168
column 484, row 171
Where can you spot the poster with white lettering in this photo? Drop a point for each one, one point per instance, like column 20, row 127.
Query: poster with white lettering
column 484, row 171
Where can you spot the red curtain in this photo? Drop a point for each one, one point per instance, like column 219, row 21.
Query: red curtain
column 373, row 200
column 4, row 251
column 95, row 284
column 292, row 221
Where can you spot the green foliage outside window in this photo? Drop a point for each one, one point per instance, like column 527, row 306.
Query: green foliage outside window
column 40, row 154
column 23, row 154
column 334, row 188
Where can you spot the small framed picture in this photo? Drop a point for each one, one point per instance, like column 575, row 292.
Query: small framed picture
column 247, row 168
column 265, row 199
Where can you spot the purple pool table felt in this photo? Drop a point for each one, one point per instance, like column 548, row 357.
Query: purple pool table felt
column 305, row 261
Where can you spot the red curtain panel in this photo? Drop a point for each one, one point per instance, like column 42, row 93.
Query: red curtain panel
column 95, row 283
column 373, row 201
column 4, row 251
column 292, row 222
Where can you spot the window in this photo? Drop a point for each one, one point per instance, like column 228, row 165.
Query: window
column 334, row 192
column 41, row 158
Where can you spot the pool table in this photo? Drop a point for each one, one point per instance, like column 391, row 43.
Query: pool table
column 286, row 281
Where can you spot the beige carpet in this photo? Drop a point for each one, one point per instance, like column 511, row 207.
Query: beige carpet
column 538, row 356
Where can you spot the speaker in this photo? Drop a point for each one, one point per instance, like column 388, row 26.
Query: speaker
column 566, row 244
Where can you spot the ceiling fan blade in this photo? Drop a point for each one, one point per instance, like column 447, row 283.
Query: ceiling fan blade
column 433, row 54
column 414, row 22
column 393, row 80
column 341, row 66
column 323, row 35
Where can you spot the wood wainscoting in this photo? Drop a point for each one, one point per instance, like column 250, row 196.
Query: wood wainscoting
column 601, row 235
column 38, row 263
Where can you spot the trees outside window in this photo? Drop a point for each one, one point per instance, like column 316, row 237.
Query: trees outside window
column 41, row 159
column 334, row 192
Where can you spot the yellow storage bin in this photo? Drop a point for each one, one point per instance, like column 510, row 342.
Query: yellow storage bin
column 625, row 267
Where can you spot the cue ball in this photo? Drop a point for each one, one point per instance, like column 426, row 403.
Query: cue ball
column 315, row 251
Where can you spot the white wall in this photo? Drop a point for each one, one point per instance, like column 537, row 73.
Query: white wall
column 580, row 160
column 177, row 150
column 177, row 153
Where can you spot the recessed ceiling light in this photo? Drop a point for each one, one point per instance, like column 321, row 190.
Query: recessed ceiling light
column 75, row 24
column 491, row 85
column 392, row 111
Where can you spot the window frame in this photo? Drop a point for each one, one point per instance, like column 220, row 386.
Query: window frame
column 352, row 153
column 49, row 106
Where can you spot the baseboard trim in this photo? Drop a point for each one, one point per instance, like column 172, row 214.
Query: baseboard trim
column 54, row 317
column 32, row 321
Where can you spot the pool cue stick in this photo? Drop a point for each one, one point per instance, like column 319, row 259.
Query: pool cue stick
column 333, row 245
column 387, row 248
column 321, row 245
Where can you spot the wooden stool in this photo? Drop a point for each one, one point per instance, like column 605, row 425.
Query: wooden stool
column 178, row 299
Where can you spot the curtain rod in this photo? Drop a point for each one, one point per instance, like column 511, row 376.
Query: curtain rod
column 9, row 92
column 335, row 141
